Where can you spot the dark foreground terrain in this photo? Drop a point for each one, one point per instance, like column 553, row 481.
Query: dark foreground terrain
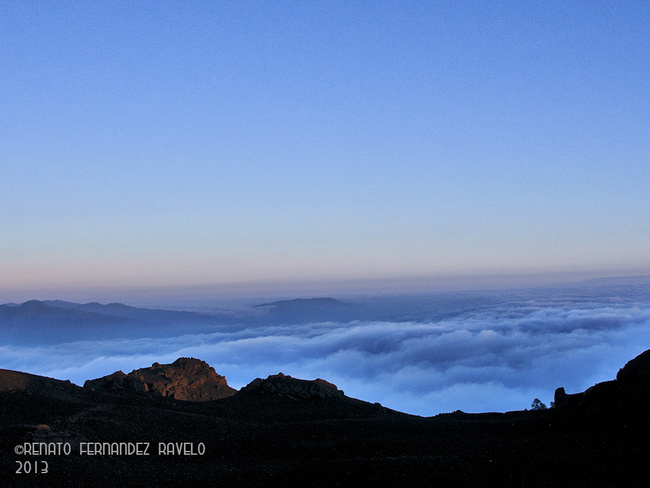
column 123, row 431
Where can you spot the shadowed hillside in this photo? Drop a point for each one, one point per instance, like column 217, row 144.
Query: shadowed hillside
column 283, row 431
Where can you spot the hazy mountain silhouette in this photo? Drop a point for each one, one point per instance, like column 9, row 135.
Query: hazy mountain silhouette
column 41, row 312
column 305, row 310
column 51, row 321
column 37, row 322
column 55, row 321
column 139, row 315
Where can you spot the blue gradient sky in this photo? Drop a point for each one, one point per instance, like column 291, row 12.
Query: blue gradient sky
column 168, row 143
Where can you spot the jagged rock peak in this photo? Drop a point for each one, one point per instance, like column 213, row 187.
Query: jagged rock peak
column 184, row 379
column 284, row 385
column 624, row 399
column 636, row 370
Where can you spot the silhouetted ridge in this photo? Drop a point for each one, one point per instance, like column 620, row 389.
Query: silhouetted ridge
column 621, row 400
column 37, row 322
column 18, row 381
column 56, row 321
column 36, row 310
column 636, row 372
column 283, row 431
column 140, row 315
column 282, row 385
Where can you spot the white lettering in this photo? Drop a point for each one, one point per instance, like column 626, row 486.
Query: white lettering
column 181, row 449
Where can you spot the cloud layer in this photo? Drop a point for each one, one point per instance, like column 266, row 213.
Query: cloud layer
column 496, row 353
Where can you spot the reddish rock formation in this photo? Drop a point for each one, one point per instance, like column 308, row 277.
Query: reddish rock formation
column 185, row 379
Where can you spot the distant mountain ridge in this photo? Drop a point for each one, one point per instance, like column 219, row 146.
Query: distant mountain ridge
column 304, row 310
column 129, row 312
column 58, row 321
column 50, row 321
column 302, row 302
column 40, row 322
column 37, row 309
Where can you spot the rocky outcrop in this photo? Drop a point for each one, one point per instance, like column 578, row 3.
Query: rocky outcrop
column 563, row 399
column 636, row 373
column 118, row 381
column 624, row 399
column 282, row 385
column 185, row 379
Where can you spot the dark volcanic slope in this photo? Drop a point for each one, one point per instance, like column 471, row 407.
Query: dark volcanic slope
column 281, row 431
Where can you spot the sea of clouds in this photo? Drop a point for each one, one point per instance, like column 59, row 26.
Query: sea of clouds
column 496, row 352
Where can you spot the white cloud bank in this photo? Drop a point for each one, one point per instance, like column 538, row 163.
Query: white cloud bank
column 496, row 356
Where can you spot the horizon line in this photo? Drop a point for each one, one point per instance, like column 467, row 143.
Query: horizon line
column 310, row 288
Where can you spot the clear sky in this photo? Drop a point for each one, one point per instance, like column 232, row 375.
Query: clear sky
column 191, row 143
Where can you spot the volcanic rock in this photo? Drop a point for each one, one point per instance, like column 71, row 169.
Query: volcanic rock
column 563, row 400
column 185, row 379
column 282, row 431
column 622, row 400
column 282, row 385
column 636, row 372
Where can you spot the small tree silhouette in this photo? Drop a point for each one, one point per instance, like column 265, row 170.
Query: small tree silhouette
column 537, row 405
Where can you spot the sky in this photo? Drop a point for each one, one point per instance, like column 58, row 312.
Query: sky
column 175, row 144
